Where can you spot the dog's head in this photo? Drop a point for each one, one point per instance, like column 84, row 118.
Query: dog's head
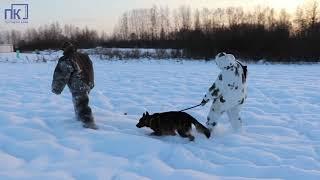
column 143, row 121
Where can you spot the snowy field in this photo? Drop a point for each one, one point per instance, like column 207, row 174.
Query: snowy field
column 40, row 139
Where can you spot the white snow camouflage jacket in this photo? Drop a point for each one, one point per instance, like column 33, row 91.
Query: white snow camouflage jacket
column 230, row 87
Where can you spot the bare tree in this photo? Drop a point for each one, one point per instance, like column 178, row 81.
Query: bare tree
column 15, row 36
column 185, row 17
column 219, row 18
column 313, row 12
column 124, row 29
column 153, row 21
column 271, row 19
column 300, row 21
column 197, row 25
column 206, row 20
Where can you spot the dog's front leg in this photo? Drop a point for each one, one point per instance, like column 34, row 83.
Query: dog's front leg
column 156, row 133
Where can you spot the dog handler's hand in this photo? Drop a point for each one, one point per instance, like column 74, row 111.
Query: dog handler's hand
column 55, row 91
column 203, row 102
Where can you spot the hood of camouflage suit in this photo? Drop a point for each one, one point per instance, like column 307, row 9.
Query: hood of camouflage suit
column 68, row 48
column 225, row 61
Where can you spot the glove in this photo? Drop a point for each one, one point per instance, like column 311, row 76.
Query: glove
column 55, row 91
column 204, row 102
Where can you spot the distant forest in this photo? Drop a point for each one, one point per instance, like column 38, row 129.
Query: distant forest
column 261, row 33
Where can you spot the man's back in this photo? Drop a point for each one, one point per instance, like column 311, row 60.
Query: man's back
column 83, row 68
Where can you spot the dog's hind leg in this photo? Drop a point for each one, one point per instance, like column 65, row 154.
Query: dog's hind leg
column 190, row 136
column 172, row 133
column 186, row 134
column 182, row 133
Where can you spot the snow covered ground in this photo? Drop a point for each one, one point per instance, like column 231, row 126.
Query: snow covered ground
column 39, row 137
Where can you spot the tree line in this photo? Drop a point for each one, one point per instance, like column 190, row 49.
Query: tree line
column 259, row 33
column 51, row 37
column 263, row 32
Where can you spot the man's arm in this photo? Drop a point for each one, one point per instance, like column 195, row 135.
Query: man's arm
column 61, row 76
column 214, row 91
column 91, row 73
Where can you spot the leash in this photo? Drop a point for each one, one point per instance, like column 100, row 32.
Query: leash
column 177, row 111
column 190, row 108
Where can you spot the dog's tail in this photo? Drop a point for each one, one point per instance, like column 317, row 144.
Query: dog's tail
column 201, row 128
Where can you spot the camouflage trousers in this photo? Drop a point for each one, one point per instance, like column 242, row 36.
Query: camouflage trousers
column 81, row 107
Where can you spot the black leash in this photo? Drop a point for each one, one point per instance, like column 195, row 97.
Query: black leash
column 190, row 108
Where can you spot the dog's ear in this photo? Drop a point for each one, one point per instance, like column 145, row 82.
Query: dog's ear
column 147, row 113
column 143, row 115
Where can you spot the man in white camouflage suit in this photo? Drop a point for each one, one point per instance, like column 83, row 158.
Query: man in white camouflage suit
column 75, row 70
column 228, row 92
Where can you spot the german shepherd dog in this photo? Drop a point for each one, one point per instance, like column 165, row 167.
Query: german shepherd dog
column 167, row 123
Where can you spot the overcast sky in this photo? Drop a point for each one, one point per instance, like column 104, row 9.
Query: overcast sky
column 103, row 14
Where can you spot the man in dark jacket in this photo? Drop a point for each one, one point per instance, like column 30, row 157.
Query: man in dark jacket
column 75, row 70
